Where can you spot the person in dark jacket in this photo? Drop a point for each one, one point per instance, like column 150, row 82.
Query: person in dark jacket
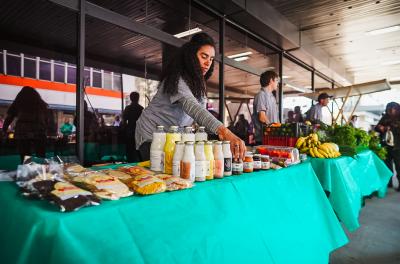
column 31, row 113
column 389, row 129
column 129, row 117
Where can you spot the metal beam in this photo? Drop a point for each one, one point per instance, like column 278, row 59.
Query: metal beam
column 280, row 87
column 80, row 81
column 221, row 69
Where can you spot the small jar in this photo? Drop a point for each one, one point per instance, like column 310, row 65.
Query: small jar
column 248, row 162
column 237, row 167
column 257, row 162
column 265, row 162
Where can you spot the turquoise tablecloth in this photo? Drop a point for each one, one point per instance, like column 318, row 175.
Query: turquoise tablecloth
column 350, row 179
column 264, row 217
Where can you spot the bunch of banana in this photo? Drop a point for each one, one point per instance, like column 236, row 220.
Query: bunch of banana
column 313, row 147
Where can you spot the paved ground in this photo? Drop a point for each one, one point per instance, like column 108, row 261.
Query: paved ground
column 377, row 241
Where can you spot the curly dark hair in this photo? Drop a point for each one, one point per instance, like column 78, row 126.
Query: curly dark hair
column 28, row 99
column 187, row 66
column 266, row 77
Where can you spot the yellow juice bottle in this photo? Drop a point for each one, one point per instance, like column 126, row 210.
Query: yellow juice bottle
column 172, row 136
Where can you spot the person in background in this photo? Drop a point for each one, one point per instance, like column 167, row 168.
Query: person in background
column 181, row 97
column 242, row 128
column 265, row 109
column 129, row 117
column 298, row 116
column 354, row 121
column 66, row 128
column 117, row 121
column 91, row 124
column 314, row 115
column 290, row 118
column 31, row 113
column 1, row 121
column 389, row 129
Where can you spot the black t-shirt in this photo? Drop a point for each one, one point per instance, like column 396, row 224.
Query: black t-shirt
column 130, row 115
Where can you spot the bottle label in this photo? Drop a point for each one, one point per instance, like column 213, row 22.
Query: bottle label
column 200, row 170
column 157, row 160
column 237, row 166
column 248, row 166
column 176, row 168
column 227, row 164
column 265, row 165
column 210, row 171
column 219, row 169
column 257, row 164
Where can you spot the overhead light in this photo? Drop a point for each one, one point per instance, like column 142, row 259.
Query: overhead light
column 386, row 63
column 286, row 77
column 188, row 32
column 307, row 87
column 240, row 55
column 295, row 88
column 383, row 30
column 242, row 58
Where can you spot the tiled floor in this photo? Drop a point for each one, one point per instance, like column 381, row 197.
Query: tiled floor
column 377, row 241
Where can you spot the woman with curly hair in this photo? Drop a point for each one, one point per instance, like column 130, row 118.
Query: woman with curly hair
column 32, row 116
column 181, row 97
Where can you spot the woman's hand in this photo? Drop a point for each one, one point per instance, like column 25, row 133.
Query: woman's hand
column 238, row 147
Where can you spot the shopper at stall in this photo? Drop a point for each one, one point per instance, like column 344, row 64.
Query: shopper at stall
column 242, row 128
column 129, row 117
column 265, row 109
column 314, row 114
column 298, row 115
column 66, row 128
column 389, row 129
column 181, row 97
column 31, row 114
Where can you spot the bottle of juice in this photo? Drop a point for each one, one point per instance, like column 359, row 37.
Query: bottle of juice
column 201, row 169
column 201, row 134
column 157, row 150
column 188, row 135
column 172, row 136
column 177, row 159
column 208, row 151
column 226, row 148
column 218, row 160
column 188, row 168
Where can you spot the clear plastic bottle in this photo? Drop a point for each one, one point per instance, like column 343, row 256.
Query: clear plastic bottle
column 172, row 136
column 201, row 168
column 188, row 168
column 226, row 148
column 188, row 135
column 177, row 159
column 201, row 134
column 157, row 150
column 208, row 150
column 218, row 160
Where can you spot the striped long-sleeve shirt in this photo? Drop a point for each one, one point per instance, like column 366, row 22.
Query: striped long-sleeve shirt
column 179, row 109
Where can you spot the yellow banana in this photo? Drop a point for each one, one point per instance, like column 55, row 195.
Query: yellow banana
column 312, row 152
column 316, row 152
column 323, row 152
column 300, row 142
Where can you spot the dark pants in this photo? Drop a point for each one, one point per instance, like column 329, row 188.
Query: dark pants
column 144, row 150
column 132, row 154
column 38, row 145
column 393, row 157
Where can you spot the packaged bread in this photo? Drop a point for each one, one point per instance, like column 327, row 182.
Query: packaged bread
column 74, row 169
column 103, row 185
column 174, row 183
column 136, row 170
column 120, row 175
column 147, row 184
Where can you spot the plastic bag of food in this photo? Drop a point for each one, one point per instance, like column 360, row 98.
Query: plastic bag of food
column 74, row 169
column 175, row 183
column 136, row 171
column 103, row 185
column 147, row 184
column 122, row 176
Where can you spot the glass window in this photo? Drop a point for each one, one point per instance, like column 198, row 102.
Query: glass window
column 29, row 67
column 45, row 70
column 96, row 79
column 107, row 80
column 71, row 75
column 87, row 76
column 117, row 82
column 59, row 73
column 13, row 65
